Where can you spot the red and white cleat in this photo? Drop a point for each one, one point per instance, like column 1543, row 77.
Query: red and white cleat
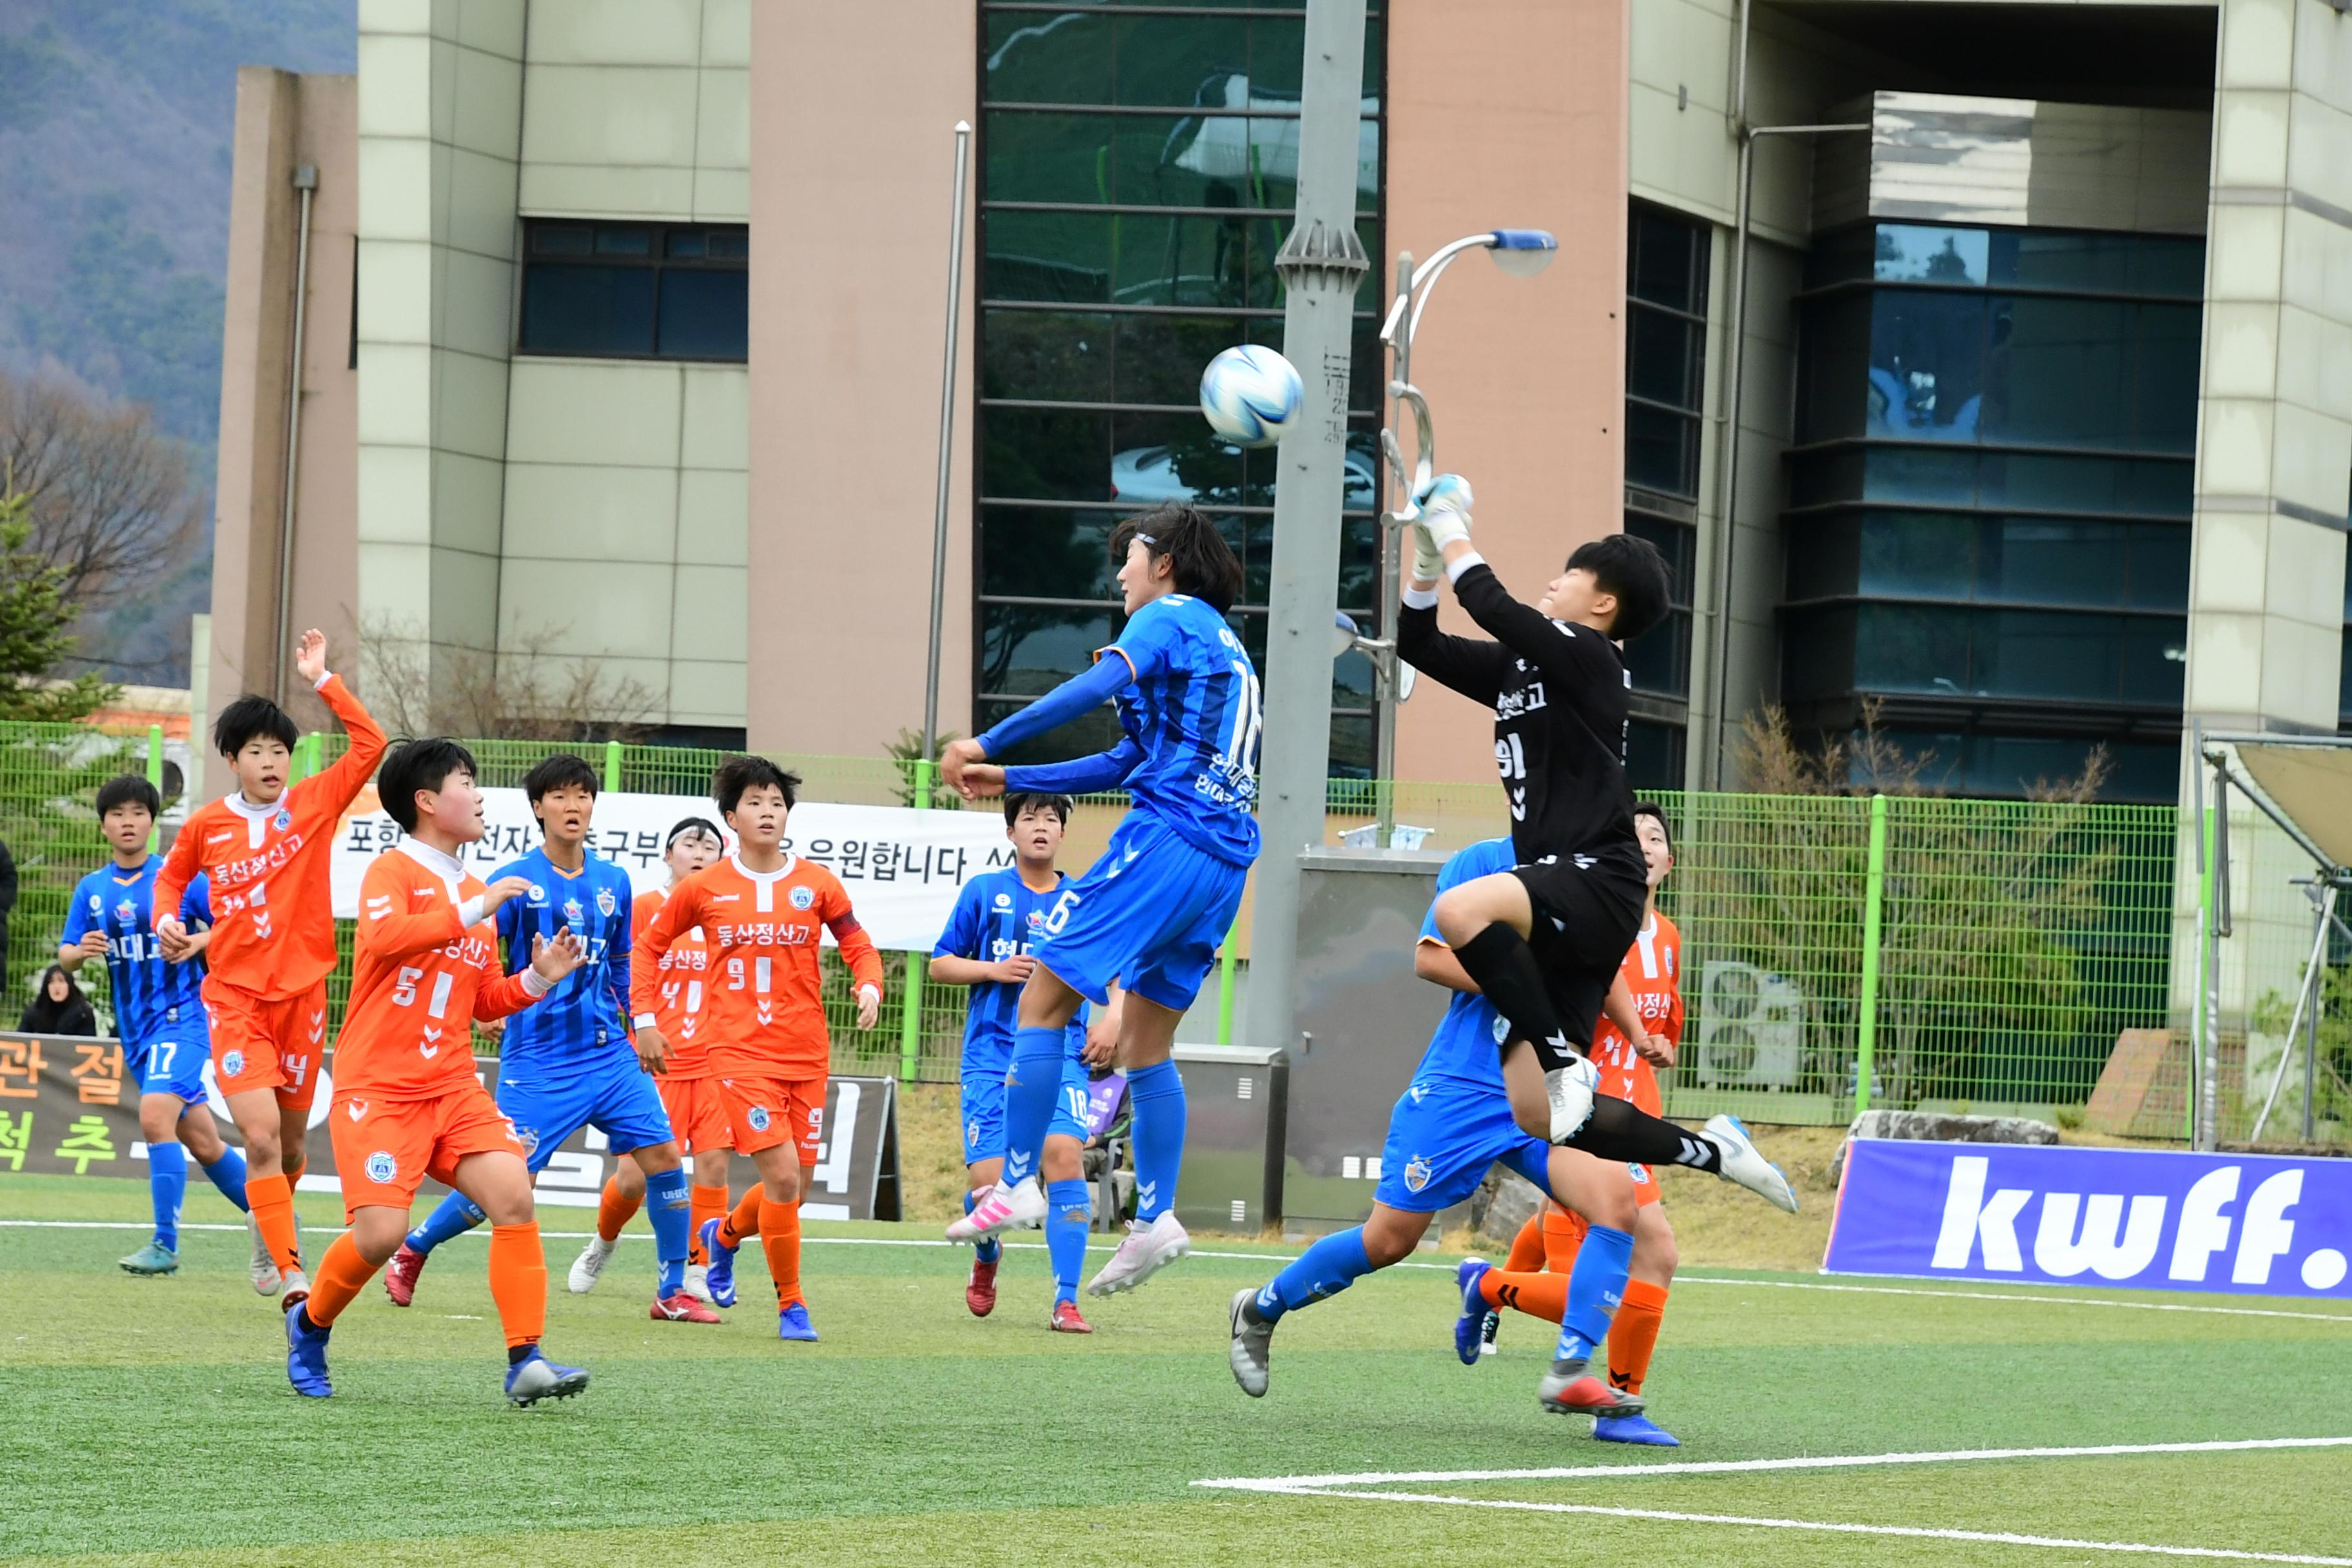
column 683, row 1309
column 1067, row 1321
column 399, row 1275
column 980, row 1293
column 1583, row 1395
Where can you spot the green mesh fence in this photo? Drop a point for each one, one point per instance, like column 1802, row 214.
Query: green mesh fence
column 50, row 775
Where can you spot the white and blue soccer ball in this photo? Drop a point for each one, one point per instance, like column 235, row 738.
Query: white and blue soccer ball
column 1251, row 396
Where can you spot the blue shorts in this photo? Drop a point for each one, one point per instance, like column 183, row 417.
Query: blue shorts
column 173, row 1062
column 1443, row 1135
column 619, row 1100
column 1149, row 914
column 982, row 1110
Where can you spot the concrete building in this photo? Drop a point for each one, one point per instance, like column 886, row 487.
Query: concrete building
column 1988, row 366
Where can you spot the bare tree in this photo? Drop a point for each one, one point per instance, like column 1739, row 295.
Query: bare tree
column 115, row 501
column 522, row 692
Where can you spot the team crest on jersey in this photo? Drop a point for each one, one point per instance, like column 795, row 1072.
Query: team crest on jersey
column 605, row 903
column 1502, row 1028
column 573, row 912
column 1416, row 1173
column 758, row 1117
column 283, row 820
column 382, row 1167
column 1037, row 918
column 803, row 897
column 526, row 1136
column 1003, row 900
column 232, row 1063
column 127, row 912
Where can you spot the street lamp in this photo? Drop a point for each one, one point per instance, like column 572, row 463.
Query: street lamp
column 1522, row 253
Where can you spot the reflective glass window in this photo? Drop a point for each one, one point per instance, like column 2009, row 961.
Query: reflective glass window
column 1926, row 368
column 1659, row 660
column 1920, row 253
column 1911, row 648
column 1919, row 553
column 634, row 289
column 1653, row 755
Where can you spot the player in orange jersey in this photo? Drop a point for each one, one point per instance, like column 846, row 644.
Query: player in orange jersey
column 1646, row 993
column 408, row 1104
column 689, row 1092
column 761, row 910
column 266, row 848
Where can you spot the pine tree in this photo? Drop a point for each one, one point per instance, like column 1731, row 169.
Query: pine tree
column 34, row 620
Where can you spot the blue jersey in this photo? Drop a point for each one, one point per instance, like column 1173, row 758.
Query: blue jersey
column 1195, row 710
column 997, row 917
column 584, row 1021
column 1468, row 1046
column 152, row 996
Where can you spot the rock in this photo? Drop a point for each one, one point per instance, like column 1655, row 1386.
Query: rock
column 1508, row 1202
column 1937, row 1127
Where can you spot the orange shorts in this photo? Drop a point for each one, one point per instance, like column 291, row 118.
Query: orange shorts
column 385, row 1147
column 695, row 1113
column 261, row 1044
column 762, row 1112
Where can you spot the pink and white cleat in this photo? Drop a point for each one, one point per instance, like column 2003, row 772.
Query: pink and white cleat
column 1147, row 1249
column 1020, row 1207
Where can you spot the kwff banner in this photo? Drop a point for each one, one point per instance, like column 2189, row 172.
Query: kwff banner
column 902, row 867
column 2244, row 1224
column 67, row 1108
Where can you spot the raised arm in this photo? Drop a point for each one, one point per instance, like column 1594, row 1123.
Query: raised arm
column 1563, row 652
column 1079, row 695
column 340, row 784
column 1080, row 775
column 1470, row 665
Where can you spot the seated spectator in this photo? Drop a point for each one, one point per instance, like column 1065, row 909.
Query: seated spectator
column 58, row 1007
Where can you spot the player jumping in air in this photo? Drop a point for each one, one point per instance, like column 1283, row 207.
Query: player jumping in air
column 689, row 1092
column 568, row 1063
column 264, row 849
column 1152, row 910
column 158, row 1017
column 408, row 1104
column 761, row 910
column 1012, row 1106
column 1648, row 987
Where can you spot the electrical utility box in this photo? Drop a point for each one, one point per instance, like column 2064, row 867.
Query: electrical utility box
column 1235, row 1097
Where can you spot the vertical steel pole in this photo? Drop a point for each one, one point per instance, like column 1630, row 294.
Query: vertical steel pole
column 947, row 444
column 2318, row 1001
column 155, row 777
column 1874, row 903
column 306, row 180
column 1319, row 264
column 1389, row 667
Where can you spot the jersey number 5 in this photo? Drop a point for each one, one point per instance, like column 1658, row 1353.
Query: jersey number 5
column 403, row 991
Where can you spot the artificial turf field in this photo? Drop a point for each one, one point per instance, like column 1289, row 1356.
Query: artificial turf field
column 149, row 1420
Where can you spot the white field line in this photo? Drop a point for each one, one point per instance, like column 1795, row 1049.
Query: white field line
column 2049, row 1299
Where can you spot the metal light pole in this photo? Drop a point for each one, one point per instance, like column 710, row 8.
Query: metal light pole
column 946, row 441
column 1320, row 262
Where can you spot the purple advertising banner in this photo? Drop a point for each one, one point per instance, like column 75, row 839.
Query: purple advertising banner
column 2252, row 1225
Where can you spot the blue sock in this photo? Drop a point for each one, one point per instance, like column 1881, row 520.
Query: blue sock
column 667, row 1207
column 227, row 1173
column 1158, row 1095
column 1595, row 1286
column 1326, row 1268
column 167, row 1184
column 456, row 1216
column 1069, row 1211
column 1029, row 1090
column 988, row 1248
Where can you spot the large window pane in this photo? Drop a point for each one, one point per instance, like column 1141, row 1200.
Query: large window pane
column 1174, row 457
column 1181, row 60
column 705, row 313
column 2154, row 659
column 1035, row 157
column 587, row 311
column 2034, row 653
column 1824, row 557
column 1653, row 756
column 1028, row 649
column 1911, row 648
column 1038, row 57
column 1817, row 653
column 2035, row 560
column 1926, row 365
column 1160, row 357
column 1046, row 354
column 1668, row 266
column 1921, row 253
column 1045, row 455
column 1836, row 393
column 1661, row 450
column 1662, row 357
column 1046, row 255
column 2058, row 373
column 2155, row 571
column 1192, row 261
column 1047, row 553
column 1909, row 474
column 2164, row 413
column 1922, row 553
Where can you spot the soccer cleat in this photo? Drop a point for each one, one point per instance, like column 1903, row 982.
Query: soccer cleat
column 265, row 1274
column 151, row 1261
column 1568, row 1390
column 1147, row 1249
column 697, row 1283
column 683, row 1309
column 1488, row 1328
column 1571, row 1090
column 1021, row 1207
column 1466, row 1326
column 306, row 1356
column 1638, row 1429
column 1744, row 1163
column 298, row 1288
column 792, row 1323
column 980, row 1293
column 589, row 1267
column 400, row 1274
column 1253, row 1345
column 1066, row 1319
column 535, row 1378
column 719, row 1274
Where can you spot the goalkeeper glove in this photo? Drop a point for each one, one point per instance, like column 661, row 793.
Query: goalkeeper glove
column 1444, row 517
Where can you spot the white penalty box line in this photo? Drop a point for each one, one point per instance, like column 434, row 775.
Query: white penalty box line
column 1379, row 1486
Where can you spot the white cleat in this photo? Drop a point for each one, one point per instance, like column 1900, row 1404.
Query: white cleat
column 1252, row 1342
column 697, row 1283
column 589, row 1267
column 1021, row 1207
column 1744, row 1163
column 266, row 1278
column 1148, row 1249
column 1571, row 1090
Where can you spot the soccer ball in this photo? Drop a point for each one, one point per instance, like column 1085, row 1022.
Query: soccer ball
column 1250, row 395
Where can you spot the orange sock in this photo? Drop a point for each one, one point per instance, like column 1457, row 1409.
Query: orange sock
column 780, row 1238
column 614, row 1210
column 1527, row 1247
column 708, row 1204
column 519, row 1281
column 272, row 1199
column 1563, row 1238
column 1541, row 1296
column 343, row 1273
column 744, row 1223
column 1634, row 1334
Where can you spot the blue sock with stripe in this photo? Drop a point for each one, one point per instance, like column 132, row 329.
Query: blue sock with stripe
column 988, row 1248
column 1070, row 1210
column 455, row 1217
column 1326, row 1268
column 670, row 1211
column 227, row 1173
column 167, row 1184
column 1157, row 1093
column 1030, row 1085
column 1595, row 1286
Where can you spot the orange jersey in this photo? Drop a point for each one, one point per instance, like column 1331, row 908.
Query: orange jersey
column 420, row 976
column 1652, row 970
column 273, row 911
column 681, row 1004
column 765, row 999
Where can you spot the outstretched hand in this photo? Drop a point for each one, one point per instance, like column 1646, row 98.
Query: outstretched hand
column 554, row 958
column 311, row 655
column 959, row 766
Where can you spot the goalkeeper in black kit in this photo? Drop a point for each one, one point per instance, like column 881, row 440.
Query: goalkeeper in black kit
column 1544, row 940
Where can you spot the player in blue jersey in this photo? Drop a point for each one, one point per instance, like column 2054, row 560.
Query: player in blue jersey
column 1020, row 1120
column 1152, row 911
column 568, row 1062
column 159, row 1019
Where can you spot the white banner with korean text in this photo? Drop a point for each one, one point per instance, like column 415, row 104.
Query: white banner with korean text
column 902, row 867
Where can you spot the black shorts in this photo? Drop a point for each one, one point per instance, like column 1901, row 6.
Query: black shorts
column 1588, row 911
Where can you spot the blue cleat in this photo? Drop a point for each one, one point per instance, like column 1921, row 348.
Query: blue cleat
column 1469, row 1328
column 535, row 1378
column 721, row 1275
column 306, row 1356
column 1638, row 1429
column 792, row 1323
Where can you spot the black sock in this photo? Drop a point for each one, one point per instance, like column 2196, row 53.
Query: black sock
column 1620, row 1130
column 1500, row 961
column 518, row 1354
column 303, row 1319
